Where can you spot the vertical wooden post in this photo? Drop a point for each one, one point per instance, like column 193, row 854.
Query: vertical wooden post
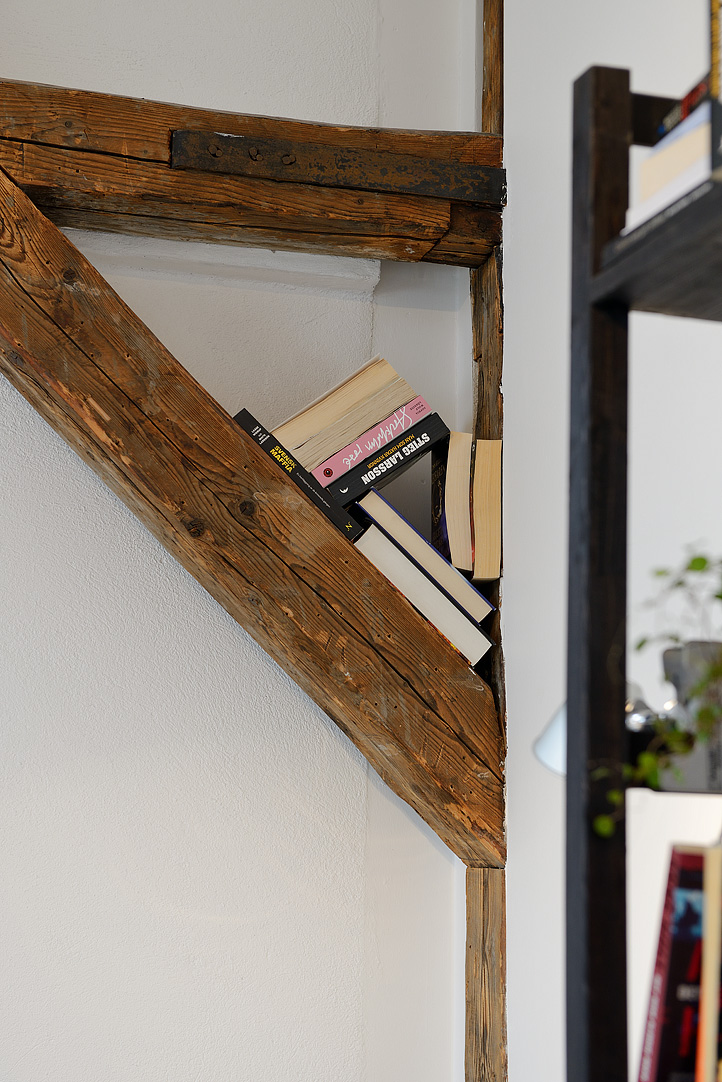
column 486, row 1057
column 596, row 948
column 485, row 975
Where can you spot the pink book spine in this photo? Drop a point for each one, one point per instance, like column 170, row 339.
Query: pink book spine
column 373, row 440
column 655, row 1014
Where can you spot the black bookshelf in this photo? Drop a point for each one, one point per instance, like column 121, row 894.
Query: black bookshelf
column 671, row 264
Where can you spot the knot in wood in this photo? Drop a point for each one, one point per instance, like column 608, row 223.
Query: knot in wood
column 69, row 275
column 195, row 527
column 288, row 159
column 247, row 507
column 68, row 123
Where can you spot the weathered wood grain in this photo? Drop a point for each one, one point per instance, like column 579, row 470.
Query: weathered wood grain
column 136, row 128
column 486, row 1057
column 472, row 235
column 487, row 320
column 255, row 542
column 98, row 191
column 492, row 92
column 314, row 163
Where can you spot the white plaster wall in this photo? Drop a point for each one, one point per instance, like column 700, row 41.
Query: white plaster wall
column 675, row 389
column 202, row 879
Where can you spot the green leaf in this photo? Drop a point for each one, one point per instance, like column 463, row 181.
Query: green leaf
column 641, row 643
column 697, row 563
column 615, row 797
column 603, row 826
column 599, row 773
column 661, row 572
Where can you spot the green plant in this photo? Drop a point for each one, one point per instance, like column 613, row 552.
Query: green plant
column 689, row 602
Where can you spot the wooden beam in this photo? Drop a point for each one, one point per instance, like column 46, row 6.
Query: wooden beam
column 100, row 162
column 422, row 717
column 595, row 866
column 137, row 128
column 492, row 91
column 486, row 1059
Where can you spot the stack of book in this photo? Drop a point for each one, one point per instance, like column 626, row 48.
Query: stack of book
column 362, row 432
column 466, row 504
column 682, row 1040
column 432, row 585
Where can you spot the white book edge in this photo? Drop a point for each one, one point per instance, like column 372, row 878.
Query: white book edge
column 423, row 594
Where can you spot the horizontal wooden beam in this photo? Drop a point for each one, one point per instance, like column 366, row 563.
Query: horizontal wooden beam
column 424, row 720
column 101, row 162
column 314, row 163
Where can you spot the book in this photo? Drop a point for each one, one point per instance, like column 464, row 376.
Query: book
column 379, row 468
column 344, row 413
column 425, row 556
column 373, row 440
column 669, row 1049
column 300, row 477
column 681, row 109
column 451, row 500
column 423, row 594
column 486, row 510
column 706, row 1067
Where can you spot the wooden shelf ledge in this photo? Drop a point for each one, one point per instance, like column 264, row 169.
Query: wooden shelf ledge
column 423, row 719
column 97, row 161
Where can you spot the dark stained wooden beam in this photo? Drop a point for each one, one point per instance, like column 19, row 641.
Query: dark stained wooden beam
column 486, row 1056
column 100, row 162
column 648, row 112
column 595, row 866
column 424, row 720
column 314, row 163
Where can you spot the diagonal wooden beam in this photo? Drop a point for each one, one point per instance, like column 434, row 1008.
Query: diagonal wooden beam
column 421, row 716
column 103, row 162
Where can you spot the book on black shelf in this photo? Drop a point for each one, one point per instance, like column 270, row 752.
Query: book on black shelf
column 687, row 157
column 377, row 469
column 424, row 594
column 300, row 476
column 669, row 1050
column 425, row 556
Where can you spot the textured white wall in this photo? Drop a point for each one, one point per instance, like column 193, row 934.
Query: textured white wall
column 202, row 880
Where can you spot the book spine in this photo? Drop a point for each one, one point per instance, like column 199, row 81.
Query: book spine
column 300, row 477
column 655, row 1013
column 376, row 470
column 372, row 441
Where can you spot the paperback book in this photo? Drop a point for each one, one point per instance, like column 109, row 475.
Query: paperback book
column 300, row 477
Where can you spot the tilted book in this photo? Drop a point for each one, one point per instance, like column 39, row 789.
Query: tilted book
column 379, row 468
column 300, row 477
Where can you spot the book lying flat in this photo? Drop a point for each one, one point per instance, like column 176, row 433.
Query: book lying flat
column 342, row 414
column 379, row 468
column 451, row 581
column 300, row 477
column 423, row 594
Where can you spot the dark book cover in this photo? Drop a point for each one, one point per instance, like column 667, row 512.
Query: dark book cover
column 439, row 533
column 301, row 478
column 379, row 468
column 680, row 1002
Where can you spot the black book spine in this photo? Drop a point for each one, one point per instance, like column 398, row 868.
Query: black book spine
column 318, row 495
column 381, row 466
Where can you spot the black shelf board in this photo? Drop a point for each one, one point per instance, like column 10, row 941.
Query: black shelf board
column 672, row 263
